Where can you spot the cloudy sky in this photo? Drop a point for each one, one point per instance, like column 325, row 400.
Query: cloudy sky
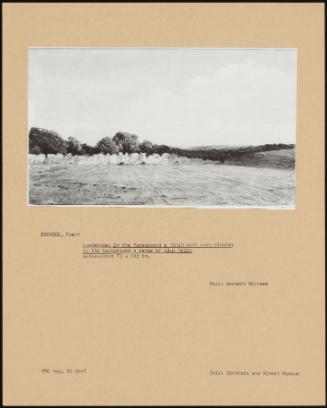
column 179, row 97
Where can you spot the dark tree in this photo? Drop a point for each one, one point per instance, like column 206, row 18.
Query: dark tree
column 74, row 146
column 126, row 142
column 47, row 142
column 88, row 150
column 161, row 149
column 107, row 146
column 146, row 147
column 35, row 149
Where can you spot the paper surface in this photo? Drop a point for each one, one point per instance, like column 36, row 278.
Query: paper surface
column 164, row 306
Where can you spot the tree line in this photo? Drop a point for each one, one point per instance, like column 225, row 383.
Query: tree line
column 49, row 142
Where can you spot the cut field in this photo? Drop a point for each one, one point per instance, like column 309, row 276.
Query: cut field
column 197, row 183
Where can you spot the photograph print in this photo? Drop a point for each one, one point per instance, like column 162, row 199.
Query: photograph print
column 162, row 127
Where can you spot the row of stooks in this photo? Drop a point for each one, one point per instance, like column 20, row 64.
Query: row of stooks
column 122, row 159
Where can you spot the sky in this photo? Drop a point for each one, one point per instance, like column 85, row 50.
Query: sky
column 179, row 97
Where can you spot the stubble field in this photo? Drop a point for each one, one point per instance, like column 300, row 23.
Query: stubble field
column 197, row 183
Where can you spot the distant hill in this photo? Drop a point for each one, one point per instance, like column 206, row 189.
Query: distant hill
column 211, row 147
column 228, row 153
column 46, row 142
column 236, row 147
column 281, row 159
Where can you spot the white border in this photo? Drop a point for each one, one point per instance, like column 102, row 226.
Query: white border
column 221, row 207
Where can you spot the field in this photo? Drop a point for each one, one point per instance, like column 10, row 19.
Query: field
column 194, row 183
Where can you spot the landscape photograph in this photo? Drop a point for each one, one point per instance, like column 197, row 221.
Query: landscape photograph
column 162, row 127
